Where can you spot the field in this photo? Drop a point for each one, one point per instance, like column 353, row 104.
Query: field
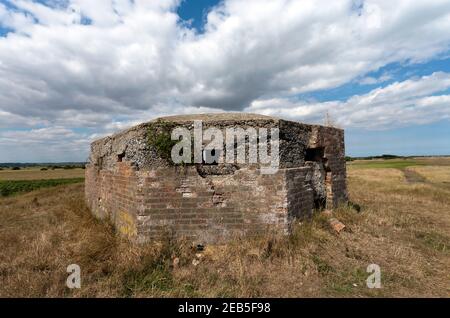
column 10, row 187
column 401, row 162
column 403, row 226
column 36, row 173
column 29, row 179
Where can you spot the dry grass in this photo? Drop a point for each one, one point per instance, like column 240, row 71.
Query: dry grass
column 403, row 227
column 36, row 174
column 435, row 174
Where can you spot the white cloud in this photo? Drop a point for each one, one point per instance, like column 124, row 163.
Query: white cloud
column 370, row 80
column 108, row 63
column 415, row 101
column 43, row 144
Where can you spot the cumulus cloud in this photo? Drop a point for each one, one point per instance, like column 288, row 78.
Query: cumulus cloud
column 415, row 101
column 105, row 64
column 43, row 144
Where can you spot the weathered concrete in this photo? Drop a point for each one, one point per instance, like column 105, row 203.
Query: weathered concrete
column 129, row 181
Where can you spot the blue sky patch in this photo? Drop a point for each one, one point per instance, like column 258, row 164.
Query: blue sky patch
column 429, row 139
column 397, row 72
column 195, row 12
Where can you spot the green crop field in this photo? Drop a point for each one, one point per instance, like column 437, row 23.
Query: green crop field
column 10, row 187
column 393, row 163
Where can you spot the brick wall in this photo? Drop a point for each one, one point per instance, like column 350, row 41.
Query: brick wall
column 332, row 140
column 114, row 195
column 177, row 201
column 299, row 193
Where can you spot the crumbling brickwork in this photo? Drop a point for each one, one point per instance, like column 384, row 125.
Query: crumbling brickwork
column 147, row 197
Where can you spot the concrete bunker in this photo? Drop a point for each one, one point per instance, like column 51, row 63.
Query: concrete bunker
column 131, row 180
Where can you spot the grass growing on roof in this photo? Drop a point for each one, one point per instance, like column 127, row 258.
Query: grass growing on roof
column 159, row 137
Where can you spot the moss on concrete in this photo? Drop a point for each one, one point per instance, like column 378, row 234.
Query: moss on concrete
column 159, row 137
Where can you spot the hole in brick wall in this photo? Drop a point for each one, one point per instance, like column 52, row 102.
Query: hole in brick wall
column 219, row 200
column 326, row 165
column 314, row 154
column 199, row 247
column 99, row 163
column 120, row 157
column 328, row 185
column 215, row 169
column 319, row 178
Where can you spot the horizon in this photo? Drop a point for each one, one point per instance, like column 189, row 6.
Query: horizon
column 372, row 157
column 74, row 71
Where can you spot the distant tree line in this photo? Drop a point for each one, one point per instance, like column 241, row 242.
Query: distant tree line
column 385, row 156
column 44, row 166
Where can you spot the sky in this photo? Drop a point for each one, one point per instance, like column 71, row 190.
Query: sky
column 73, row 71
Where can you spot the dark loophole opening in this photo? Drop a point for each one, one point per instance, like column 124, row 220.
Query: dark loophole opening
column 320, row 203
column 314, row 154
column 120, row 157
column 318, row 184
